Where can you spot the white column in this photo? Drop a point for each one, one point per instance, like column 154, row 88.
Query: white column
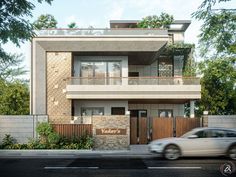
column 192, row 109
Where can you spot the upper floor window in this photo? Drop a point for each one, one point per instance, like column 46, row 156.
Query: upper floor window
column 100, row 72
column 178, row 65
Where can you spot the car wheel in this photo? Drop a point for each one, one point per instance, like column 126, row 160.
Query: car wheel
column 232, row 152
column 172, row 152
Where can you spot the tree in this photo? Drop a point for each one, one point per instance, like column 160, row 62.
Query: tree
column 10, row 66
column 162, row 21
column 45, row 21
column 218, row 32
column 218, row 93
column 14, row 92
column 14, row 98
column 72, row 25
column 13, row 24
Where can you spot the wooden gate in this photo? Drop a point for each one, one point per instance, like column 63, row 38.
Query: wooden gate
column 133, row 130
column 162, row 128
column 184, row 125
column 138, row 130
column 171, row 127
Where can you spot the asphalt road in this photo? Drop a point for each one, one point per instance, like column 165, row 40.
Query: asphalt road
column 111, row 167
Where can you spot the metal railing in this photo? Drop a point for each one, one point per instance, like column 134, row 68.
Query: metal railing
column 134, row 81
column 103, row 32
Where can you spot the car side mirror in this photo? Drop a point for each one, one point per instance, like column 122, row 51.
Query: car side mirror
column 192, row 136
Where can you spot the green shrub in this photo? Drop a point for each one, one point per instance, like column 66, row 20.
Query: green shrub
column 8, row 141
column 33, row 144
column 19, row 146
column 71, row 146
column 86, row 142
column 53, row 138
column 44, row 129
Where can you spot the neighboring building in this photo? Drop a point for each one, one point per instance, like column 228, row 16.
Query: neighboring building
column 104, row 72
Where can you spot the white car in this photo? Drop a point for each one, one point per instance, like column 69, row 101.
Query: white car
column 198, row 142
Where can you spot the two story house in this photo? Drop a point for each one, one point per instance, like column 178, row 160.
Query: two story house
column 116, row 71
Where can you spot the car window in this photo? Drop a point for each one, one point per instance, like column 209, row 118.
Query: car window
column 216, row 133
column 202, row 134
column 231, row 133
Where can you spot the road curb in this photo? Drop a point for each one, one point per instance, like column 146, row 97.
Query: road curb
column 70, row 153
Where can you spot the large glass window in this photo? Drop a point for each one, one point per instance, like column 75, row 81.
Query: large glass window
column 178, row 65
column 86, row 73
column 101, row 73
column 114, row 73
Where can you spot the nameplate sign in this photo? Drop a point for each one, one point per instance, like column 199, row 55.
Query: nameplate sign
column 110, row 131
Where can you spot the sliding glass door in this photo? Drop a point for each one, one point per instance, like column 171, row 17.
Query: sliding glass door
column 100, row 73
column 114, row 73
column 86, row 73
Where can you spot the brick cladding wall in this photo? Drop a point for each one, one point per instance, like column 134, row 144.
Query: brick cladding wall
column 58, row 69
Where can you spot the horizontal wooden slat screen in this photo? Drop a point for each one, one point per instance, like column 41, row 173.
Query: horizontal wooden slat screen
column 72, row 130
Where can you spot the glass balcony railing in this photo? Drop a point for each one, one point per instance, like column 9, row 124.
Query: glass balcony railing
column 134, row 81
column 103, row 32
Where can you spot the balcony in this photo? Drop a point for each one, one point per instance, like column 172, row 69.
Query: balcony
column 133, row 88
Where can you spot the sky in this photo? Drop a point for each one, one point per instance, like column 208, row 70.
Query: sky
column 98, row 13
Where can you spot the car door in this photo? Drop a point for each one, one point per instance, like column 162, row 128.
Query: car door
column 230, row 138
column 217, row 142
column 199, row 146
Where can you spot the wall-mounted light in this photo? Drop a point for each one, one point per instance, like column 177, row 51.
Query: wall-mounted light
column 63, row 90
column 127, row 113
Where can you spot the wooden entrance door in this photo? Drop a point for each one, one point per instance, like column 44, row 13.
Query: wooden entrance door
column 138, row 127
